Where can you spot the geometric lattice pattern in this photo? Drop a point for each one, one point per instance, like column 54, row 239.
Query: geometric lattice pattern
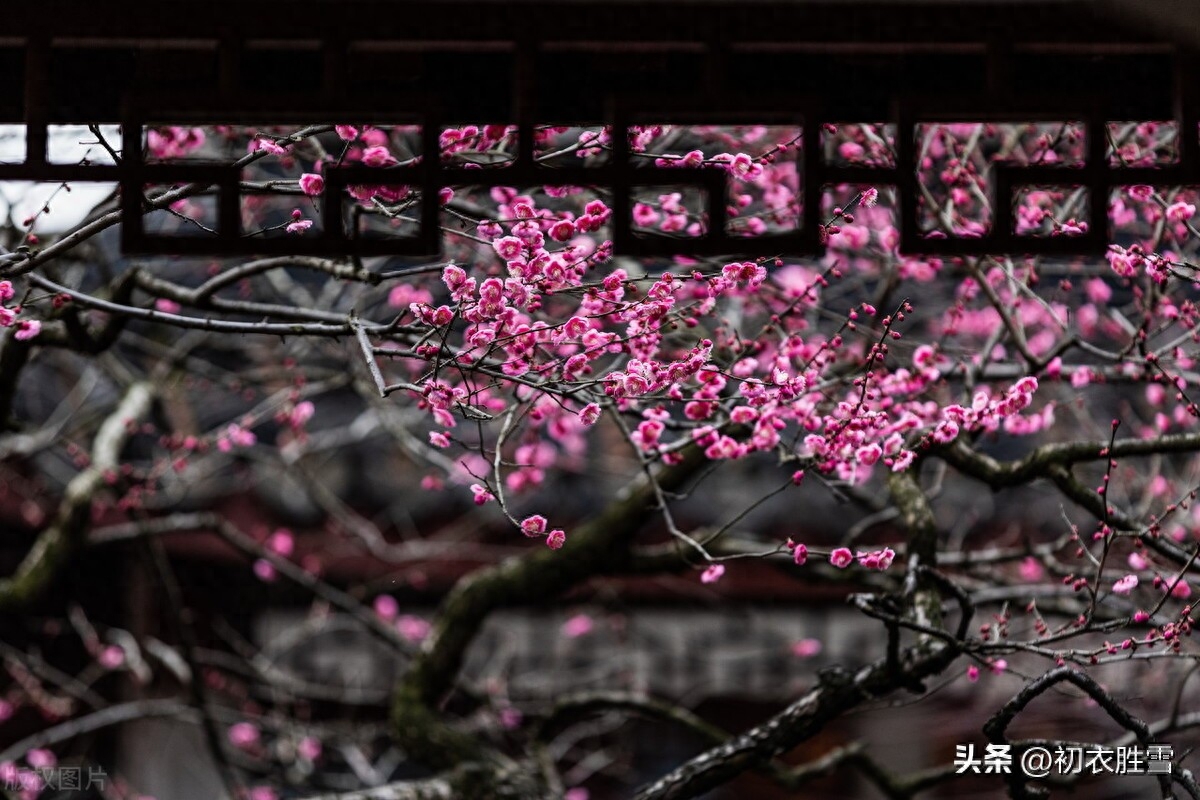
column 594, row 63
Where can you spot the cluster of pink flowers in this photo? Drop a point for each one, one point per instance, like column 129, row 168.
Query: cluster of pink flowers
column 1125, row 585
column 842, row 557
column 998, row 666
column 734, row 359
column 174, row 141
column 411, row 627
column 281, row 543
column 535, row 526
column 27, row 783
column 235, row 436
column 985, row 413
column 546, row 347
column 25, row 328
column 521, row 323
column 312, row 184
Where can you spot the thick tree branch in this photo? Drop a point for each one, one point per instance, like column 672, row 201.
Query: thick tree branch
column 466, row 782
column 574, row 706
column 97, row 720
column 1001, row 474
column 996, row 727
column 1052, row 462
column 600, row 546
column 195, row 323
column 67, row 531
column 582, row 704
column 835, row 694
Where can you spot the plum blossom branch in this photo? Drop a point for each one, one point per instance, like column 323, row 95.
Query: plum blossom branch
column 601, row 546
column 65, row 533
column 246, row 544
column 835, row 694
column 196, row 323
column 996, row 727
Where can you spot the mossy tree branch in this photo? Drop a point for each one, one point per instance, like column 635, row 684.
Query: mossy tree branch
column 600, row 546
column 68, row 529
column 1003, row 474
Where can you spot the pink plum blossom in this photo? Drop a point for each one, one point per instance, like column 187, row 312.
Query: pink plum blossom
column 378, row 157
column 111, row 657
column 28, row 329
column 309, row 748
column 281, row 542
column 841, row 557
column 1125, row 585
column 534, row 525
column 235, row 436
column 311, row 183
column 413, row 628
column 264, row 570
column 806, row 648
column 508, row 247
column 578, row 625
column 243, row 735
column 1031, row 569
column 1180, row 212
column 386, row 607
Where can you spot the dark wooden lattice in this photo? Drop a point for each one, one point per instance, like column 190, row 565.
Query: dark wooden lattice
column 590, row 63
